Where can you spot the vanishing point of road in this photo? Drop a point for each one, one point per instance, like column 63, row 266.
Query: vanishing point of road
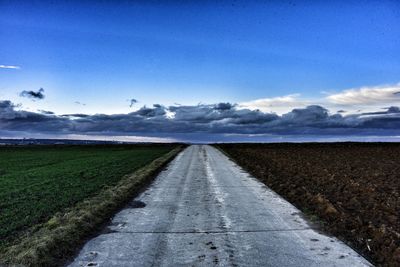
column 204, row 210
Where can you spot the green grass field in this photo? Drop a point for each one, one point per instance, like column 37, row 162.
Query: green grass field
column 37, row 182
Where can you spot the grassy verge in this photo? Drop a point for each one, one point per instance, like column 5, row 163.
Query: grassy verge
column 50, row 243
column 38, row 181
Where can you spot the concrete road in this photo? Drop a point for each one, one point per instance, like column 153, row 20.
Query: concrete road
column 204, row 210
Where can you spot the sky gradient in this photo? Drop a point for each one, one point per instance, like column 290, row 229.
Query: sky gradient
column 265, row 59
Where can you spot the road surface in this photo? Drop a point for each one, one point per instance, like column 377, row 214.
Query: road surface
column 204, row 210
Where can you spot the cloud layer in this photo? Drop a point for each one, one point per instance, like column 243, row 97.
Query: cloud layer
column 367, row 95
column 290, row 115
column 200, row 120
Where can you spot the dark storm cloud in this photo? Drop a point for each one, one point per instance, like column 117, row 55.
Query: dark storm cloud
column 21, row 120
column 80, row 103
column 393, row 110
column 223, row 106
column 46, row 112
column 132, row 102
column 32, row 94
column 389, row 110
column 220, row 118
column 381, row 123
column 155, row 111
column 308, row 115
column 76, row 115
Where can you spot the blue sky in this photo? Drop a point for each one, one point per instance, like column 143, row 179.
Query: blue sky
column 288, row 54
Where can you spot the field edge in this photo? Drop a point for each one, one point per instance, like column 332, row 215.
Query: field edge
column 57, row 239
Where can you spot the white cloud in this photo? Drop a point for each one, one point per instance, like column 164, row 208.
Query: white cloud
column 123, row 138
column 386, row 95
column 280, row 105
column 350, row 101
column 9, row 67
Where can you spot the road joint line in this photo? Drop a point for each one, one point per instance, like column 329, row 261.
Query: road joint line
column 214, row 232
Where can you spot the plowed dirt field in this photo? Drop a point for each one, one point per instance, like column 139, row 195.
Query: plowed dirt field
column 353, row 188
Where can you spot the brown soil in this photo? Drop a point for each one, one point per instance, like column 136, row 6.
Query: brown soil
column 353, row 188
